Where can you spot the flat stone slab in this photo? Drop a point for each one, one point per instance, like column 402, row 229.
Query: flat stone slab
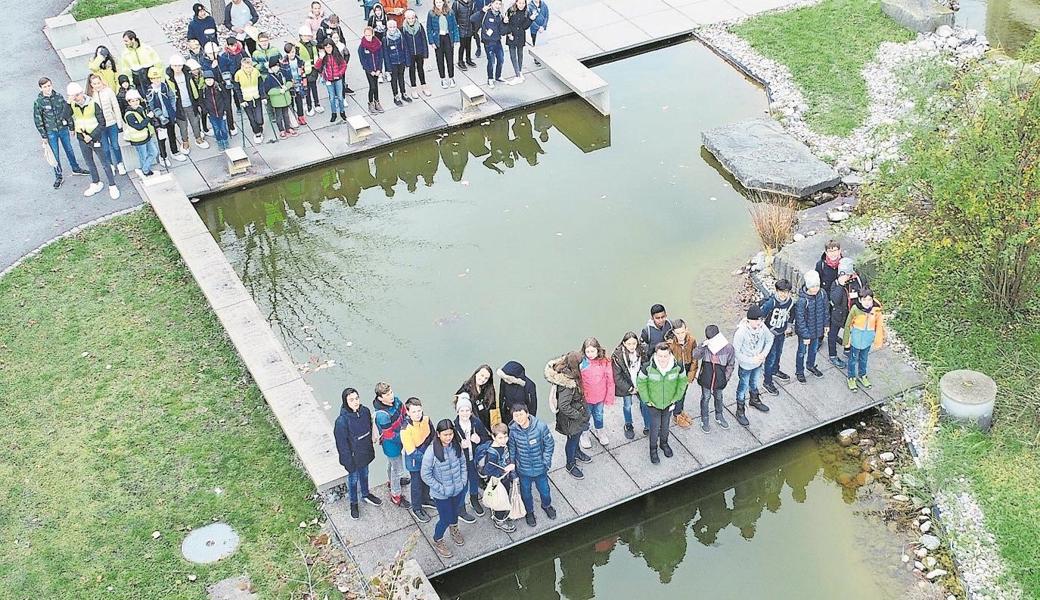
column 210, row 543
column 232, row 588
column 764, row 157
column 797, row 258
column 923, row 16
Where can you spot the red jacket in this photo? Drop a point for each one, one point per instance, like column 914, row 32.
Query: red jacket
column 330, row 68
column 597, row 380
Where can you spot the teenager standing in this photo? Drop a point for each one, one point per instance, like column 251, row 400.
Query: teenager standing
column 353, row 434
column 416, row 437
column 626, row 361
column 53, row 118
column 370, row 54
column 88, row 121
column 518, row 21
column 416, row 50
column 515, row 387
column 333, row 68
column 464, row 11
column 597, row 384
column 572, row 417
column 531, row 445
column 394, row 59
column 472, row 435
column 444, row 470
column 443, row 31
column 661, row 384
column 389, row 415
column 481, row 390
column 106, row 99
column 491, row 28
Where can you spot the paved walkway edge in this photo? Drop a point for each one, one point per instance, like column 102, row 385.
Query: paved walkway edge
column 290, row 398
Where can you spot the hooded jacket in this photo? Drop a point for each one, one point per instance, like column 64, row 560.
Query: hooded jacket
column 516, row 28
column 515, row 387
column 531, row 447
column 749, row 343
column 51, row 113
column 863, row 328
column 597, row 380
column 415, row 439
column 389, row 421
column 717, row 359
column 399, row 6
column 683, row 353
column 353, row 433
column 661, row 389
column 464, row 11
column 778, row 314
column 624, row 385
column 447, row 478
column 811, row 314
column 651, row 335
column 203, row 30
column 573, row 414
column 490, row 25
column 842, row 299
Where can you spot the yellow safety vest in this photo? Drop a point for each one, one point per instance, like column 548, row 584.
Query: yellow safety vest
column 132, row 135
column 250, row 84
column 83, row 118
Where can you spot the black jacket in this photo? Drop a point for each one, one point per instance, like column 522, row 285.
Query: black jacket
column 840, row 299
column 484, row 402
column 827, row 274
column 353, row 433
column 516, row 29
column 215, row 100
column 478, row 428
column 515, row 387
column 623, row 384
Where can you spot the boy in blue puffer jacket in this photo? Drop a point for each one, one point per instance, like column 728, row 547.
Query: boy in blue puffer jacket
column 811, row 317
column 531, row 445
column 490, row 29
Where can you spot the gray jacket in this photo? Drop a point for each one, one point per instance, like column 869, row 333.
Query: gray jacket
column 749, row 343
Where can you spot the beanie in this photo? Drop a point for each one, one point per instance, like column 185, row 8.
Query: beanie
column 812, row 280
column 305, row 30
column 846, row 266
column 73, row 89
column 754, row 313
column 207, row 74
column 192, row 64
column 711, row 331
column 461, row 403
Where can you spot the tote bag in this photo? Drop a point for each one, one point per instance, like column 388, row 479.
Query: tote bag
column 496, row 496
column 554, row 406
column 517, row 510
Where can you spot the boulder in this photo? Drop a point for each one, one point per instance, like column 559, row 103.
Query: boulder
column 930, row 542
column 923, row 16
column 847, row 437
column 764, row 157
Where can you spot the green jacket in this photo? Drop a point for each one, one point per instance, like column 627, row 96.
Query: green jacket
column 51, row 113
column 658, row 389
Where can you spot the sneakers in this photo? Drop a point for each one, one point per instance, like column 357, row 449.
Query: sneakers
column 550, row 512
column 800, row 377
column 310, row 112
column 397, row 100
column 654, row 459
column 180, row 156
column 630, row 432
column 258, row 138
column 491, row 83
column 585, row 458
column 451, row 82
column 465, row 517
column 505, row 525
column 575, row 472
column 355, row 513
column 646, row 431
column 864, row 382
column 456, row 535
column 781, row 375
column 601, row 436
column 852, row 385
column 462, row 65
column 282, row 135
column 121, row 168
column 769, row 387
column 113, row 192
column 165, row 162
column 399, row 501
column 57, row 182
column 80, row 171
column 667, row 450
column 406, row 97
column 379, row 107
column 720, row 420
column 585, row 441
column 442, row 549
column 705, row 427
column 319, row 108
column 474, row 501
column 429, row 505
column 420, row 514
column 372, row 499
column 531, row 519
column 348, row 91
column 816, row 372
column 302, row 120
column 405, row 480
column 93, row 189
column 515, row 81
column 837, row 362
column 444, row 84
column 426, row 91
column 202, row 143
column 471, row 63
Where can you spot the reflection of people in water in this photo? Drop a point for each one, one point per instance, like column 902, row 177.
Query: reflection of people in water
column 799, row 474
column 714, row 517
column 356, row 176
column 524, row 144
column 386, row 173
column 578, row 568
column 454, row 153
column 498, row 136
column 407, row 169
column 661, row 542
column 427, row 159
column 542, row 124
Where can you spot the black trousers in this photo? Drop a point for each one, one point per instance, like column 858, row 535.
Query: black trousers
column 465, row 49
column 444, row 54
column 397, row 79
column 417, row 67
column 373, row 87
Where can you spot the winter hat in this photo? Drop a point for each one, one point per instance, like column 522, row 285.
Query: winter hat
column 192, row 64
column 711, row 331
column 176, row 60
column 73, row 89
column 812, row 280
column 305, row 30
column 754, row 313
column 461, row 403
column 846, row 266
column 132, row 94
column 123, row 79
column 197, row 8
column 207, row 74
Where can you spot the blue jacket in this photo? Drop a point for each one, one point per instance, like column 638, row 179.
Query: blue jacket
column 811, row 314
column 490, row 26
column 162, row 102
column 531, row 448
column 494, row 460
column 447, row 478
column 389, row 421
column 415, row 45
column 539, row 16
column 197, row 30
column 433, row 28
column 393, row 51
column 370, row 61
column 353, row 433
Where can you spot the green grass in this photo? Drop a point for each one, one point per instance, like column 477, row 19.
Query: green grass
column 124, row 408
column 826, row 47
column 89, row 9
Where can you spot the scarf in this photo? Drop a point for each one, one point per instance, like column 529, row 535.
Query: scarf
column 393, row 34
column 235, row 50
column 412, row 29
column 832, row 264
column 372, row 45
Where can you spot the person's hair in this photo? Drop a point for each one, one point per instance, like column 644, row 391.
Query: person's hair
column 519, row 406
column 263, row 35
column 273, row 61
column 413, row 401
column 499, row 429
column 231, row 40
column 315, row 2
column 333, row 19
column 783, row 285
column 471, row 383
column 348, row 391
column 43, row 81
column 629, row 335
column 410, row 13
column 600, row 351
column 336, row 54
column 247, row 57
column 513, row 9
column 289, row 47
column 832, row 244
column 443, row 10
column 865, row 291
column 380, row 7
column 90, row 82
column 368, row 29
column 678, row 324
column 657, row 309
column 381, row 388
column 570, row 366
column 438, row 448
column 130, row 35
column 661, row 346
column 108, row 61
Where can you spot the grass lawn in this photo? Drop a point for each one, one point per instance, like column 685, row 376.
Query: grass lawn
column 89, row 9
column 126, row 411
column 826, row 47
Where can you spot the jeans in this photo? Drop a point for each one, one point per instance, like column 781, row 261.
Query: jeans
column 772, row 364
column 806, row 357
column 706, row 394
column 357, row 484
column 110, row 142
column 417, row 68
column 571, row 449
column 447, row 514
column 147, row 153
column 394, row 470
column 418, row 490
column 627, row 409
column 335, row 89
column 747, row 379
column 474, row 479
column 310, row 92
column 660, row 419
column 681, row 403
column 88, row 151
column 832, row 340
column 516, row 56
column 62, row 135
column 596, row 410
column 495, row 57
column 443, row 52
column 220, row 131
column 542, row 483
column 858, row 359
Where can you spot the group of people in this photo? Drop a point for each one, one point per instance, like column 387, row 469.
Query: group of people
column 501, row 437
column 197, row 94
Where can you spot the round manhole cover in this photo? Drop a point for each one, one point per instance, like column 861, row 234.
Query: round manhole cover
column 210, row 543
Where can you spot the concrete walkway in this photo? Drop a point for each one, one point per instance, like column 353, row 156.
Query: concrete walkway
column 623, row 471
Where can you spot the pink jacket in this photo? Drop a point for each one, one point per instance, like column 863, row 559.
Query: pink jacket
column 597, row 381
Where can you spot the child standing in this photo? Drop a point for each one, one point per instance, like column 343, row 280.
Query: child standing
column 293, row 71
column 811, row 317
column 751, row 343
column 333, row 68
column 597, row 384
column 140, row 133
column 682, row 344
column 843, row 294
column 279, row 97
column 247, row 79
column 307, row 50
column 370, row 54
column 416, row 437
column 626, row 360
column 717, row 358
column 353, row 433
column 215, row 103
column 472, row 434
column 389, row 417
column 864, row 329
column 777, row 311
column 444, row 470
column 394, row 58
column 662, row 383
column 498, row 462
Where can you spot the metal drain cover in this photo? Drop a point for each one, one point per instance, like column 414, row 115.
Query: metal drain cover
column 210, row 543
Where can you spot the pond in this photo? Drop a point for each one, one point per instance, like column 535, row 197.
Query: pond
column 1009, row 24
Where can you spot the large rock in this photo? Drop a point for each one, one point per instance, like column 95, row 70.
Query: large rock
column 764, row 157
column 795, row 259
column 924, row 16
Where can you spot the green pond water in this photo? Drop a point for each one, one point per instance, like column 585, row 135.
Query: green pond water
column 516, row 239
column 1009, row 24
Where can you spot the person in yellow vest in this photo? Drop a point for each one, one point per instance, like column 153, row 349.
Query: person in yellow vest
column 88, row 121
column 307, row 52
column 136, row 61
column 104, row 66
column 248, row 80
column 140, row 133
column 416, row 437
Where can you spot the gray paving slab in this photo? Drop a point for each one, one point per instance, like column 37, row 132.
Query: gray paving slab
column 616, row 37
column 678, row 3
column 634, row 8
column 168, row 11
column 577, row 45
column 719, row 445
column 783, row 420
column 614, row 426
column 481, row 538
column 179, row 218
column 139, row 21
column 596, row 14
column 605, row 483
column 382, row 550
column 557, row 28
column 827, row 399
column 891, row 375
column 710, row 12
column 375, row 521
column 214, row 170
column 635, row 460
column 665, row 23
column 337, row 140
column 90, row 29
column 407, row 121
column 294, row 152
column 564, row 514
column 212, row 271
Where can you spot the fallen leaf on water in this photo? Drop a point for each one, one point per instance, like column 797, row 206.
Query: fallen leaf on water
column 464, row 182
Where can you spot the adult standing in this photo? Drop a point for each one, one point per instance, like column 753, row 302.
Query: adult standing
column 106, row 99
column 202, row 27
column 518, row 21
column 661, row 384
column 238, row 15
column 531, row 445
column 751, row 343
column 491, row 27
column 515, row 387
column 481, row 389
column 444, row 471
column 53, row 118
column 572, row 417
column 443, row 31
column 88, row 121
column 353, row 434
column 416, row 51
column 137, row 60
column 464, row 11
